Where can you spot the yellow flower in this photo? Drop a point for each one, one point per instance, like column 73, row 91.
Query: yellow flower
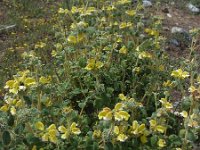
column 123, row 50
column 122, row 137
column 168, row 83
column 19, row 103
column 122, row 97
column 13, row 86
column 131, row 12
column 184, row 114
column 161, row 68
column 45, row 80
column 39, row 125
column 143, row 139
column 193, row 123
column 136, row 128
column 80, row 24
column 20, row 82
column 50, row 134
column 45, row 137
column 74, row 129
column 192, row 89
column 9, row 84
column 116, row 130
column 105, row 114
column 93, row 64
column 96, row 134
column 125, row 25
column 13, row 110
column 53, row 53
column 120, row 115
column 155, row 127
column 118, row 106
column 74, row 10
column 161, row 143
column 144, row 55
column 165, row 103
column 179, row 73
column 64, row 132
column 110, row 8
column 151, row 32
column 4, row 108
column 40, row 45
column 122, row 2
column 74, row 39
column 137, row 70
column 88, row 11
column 63, row 11
column 29, row 81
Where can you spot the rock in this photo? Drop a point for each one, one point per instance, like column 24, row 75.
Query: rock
column 169, row 15
column 193, row 8
column 180, row 38
column 172, row 3
column 166, row 28
column 147, row 3
column 174, row 42
column 177, row 30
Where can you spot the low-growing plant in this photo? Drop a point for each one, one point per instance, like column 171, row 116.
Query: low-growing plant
column 103, row 82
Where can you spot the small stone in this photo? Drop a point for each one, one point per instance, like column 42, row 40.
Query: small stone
column 193, row 8
column 142, row 36
column 172, row 3
column 169, row 15
column 174, row 42
column 147, row 3
column 177, row 30
column 166, row 29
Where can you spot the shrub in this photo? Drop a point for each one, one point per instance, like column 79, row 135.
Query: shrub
column 106, row 85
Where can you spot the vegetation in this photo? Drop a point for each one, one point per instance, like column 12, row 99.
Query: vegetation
column 94, row 75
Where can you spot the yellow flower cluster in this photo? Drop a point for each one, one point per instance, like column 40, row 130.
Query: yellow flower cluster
column 155, row 127
column 152, row 32
column 93, row 64
column 166, row 104
column 118, row 130
column 12, row 105
column 51, row 133
column 66, row 132
column 125, row 25
column 180, row 74
column 40, row 45
column 139, row 130
column 81, row 10
column 48, row 134
column 118, row 113
column 144, row 55
column 20, row 83
column 75, row 39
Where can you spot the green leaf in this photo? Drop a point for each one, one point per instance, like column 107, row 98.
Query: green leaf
column 81, row 105
column 6, row 137
column 11, row 120
column 108, row 146
column 154, row 140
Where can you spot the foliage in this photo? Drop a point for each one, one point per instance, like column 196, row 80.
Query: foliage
column 100, row 80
